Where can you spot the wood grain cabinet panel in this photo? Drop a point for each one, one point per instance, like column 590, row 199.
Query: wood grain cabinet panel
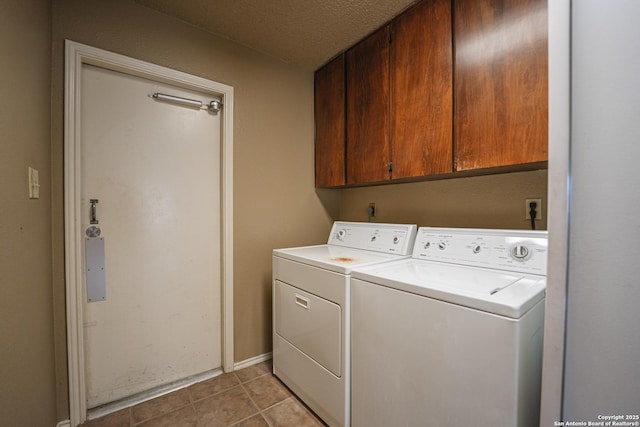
column 330, row 124
column 501, row 101
column 367, row 67
column 419, row 98
column 421, row 111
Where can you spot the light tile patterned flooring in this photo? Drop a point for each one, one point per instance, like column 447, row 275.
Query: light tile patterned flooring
column 250, row 397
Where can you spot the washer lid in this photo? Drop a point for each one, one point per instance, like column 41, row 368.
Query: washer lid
column 335, row 258
column 495, row 291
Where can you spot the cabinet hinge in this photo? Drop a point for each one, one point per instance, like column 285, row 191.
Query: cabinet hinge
column 390, row 166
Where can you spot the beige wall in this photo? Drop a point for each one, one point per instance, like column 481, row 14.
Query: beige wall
column 27, row 382
column 491, row 201
column 275, row 204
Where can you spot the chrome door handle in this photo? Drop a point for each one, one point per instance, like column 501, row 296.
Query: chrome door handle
column 93, row 215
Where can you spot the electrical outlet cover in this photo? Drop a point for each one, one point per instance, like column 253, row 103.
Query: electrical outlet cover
column 538, row 209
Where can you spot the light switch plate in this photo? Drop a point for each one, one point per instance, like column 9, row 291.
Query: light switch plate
column 34, row 183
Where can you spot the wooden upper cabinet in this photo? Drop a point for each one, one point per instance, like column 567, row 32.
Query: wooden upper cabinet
column 330, row 124
column 421, row 87
column 501, row 102
column 368, row 109
column 418, row 98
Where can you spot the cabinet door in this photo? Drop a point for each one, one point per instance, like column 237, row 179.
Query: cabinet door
column 500, row 82
column 422, row 91
column 368, row 109
column 330, row 124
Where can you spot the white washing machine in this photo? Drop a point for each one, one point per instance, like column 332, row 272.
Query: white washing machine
column 311, row 313
column 453, row 335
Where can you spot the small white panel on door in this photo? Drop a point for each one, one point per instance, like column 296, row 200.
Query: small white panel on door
column 311, row 324
column 94, row 258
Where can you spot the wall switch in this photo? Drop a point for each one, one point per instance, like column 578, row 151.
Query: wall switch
column 527, row 210
column 34, row 183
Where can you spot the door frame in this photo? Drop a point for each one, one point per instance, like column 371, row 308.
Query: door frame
column 76, row 55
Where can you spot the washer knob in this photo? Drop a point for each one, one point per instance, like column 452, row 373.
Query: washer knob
column 520, row 252
column 396, row 240
column 477, row 249
column 427, row 245
column 442, row 245
column 341, row 234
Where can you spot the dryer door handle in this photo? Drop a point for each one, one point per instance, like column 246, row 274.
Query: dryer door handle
column 302, row 301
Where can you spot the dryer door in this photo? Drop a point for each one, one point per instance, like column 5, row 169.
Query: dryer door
column 311, row 324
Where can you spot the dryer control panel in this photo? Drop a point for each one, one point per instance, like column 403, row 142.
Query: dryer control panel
column 513, row 250
column 387, row 238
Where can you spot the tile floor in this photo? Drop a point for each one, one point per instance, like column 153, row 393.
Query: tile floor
column 250, row 397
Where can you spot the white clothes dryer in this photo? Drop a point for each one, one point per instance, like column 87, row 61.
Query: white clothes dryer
column 311, row 311
column 453, row 335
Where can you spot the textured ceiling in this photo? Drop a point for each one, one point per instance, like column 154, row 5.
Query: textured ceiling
column 303, row 32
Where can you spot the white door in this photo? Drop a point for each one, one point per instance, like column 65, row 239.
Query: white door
column 154, row 168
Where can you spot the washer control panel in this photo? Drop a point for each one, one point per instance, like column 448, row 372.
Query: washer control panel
column 513, row 250
column 387, row 238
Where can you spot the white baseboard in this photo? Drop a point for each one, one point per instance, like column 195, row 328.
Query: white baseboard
column 252, row 361
column 65, row 423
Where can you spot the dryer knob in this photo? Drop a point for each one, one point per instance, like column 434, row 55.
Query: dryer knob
column 442, row 245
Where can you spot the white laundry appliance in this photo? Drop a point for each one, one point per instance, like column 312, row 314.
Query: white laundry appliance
column 311, row 313
column 453, row 335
